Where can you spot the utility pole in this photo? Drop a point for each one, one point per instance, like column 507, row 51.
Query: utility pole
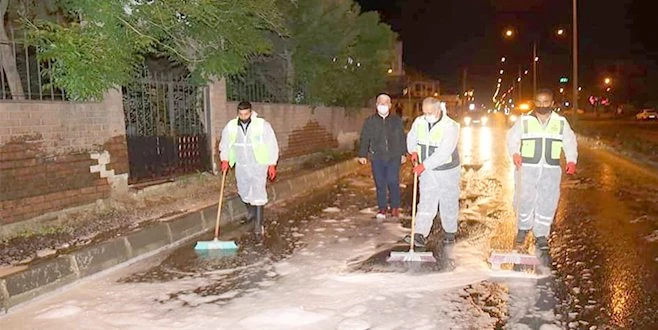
column 534, row 68
column 575, row 61
column 463, row 95
column 520, row 81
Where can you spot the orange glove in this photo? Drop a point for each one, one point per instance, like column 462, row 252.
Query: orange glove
column 225, row 166
column 414, row 158
column 418, row 169
column 516, row 158
column 571, row 168
column 271, row 172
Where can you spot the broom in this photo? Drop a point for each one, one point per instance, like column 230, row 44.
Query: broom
column 216, row 244
column 412, row 256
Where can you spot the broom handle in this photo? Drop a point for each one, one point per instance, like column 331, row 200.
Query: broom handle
column 413, row 213
column 219, row 206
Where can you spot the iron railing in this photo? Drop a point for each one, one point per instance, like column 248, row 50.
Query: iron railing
column 167, row 126
column 22, row 75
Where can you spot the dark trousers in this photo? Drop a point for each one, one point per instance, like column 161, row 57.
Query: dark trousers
column 387, row 181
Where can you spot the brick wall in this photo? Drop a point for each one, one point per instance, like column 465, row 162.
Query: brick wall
column 54, row 155
column 300, row 129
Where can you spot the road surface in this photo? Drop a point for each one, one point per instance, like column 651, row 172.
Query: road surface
column 323, row 264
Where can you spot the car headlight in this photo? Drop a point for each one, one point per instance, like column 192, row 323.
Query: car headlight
column 467, row 120
column 484, row 120
column 512, row 118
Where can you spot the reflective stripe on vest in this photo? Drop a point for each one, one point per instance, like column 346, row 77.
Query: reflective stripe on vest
column 538, row 143
column 429, row 141
column 255, row 130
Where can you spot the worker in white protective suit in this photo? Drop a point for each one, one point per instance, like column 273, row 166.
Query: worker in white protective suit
column 432, row 143
column 535, row 143
column 248, row 142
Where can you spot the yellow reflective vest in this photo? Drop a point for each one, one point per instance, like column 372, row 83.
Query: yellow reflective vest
column 255, row 130
column 428, row 141
column 539, row 143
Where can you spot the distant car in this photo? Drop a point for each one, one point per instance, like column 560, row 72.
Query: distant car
column 647, row 114
column 473, row 118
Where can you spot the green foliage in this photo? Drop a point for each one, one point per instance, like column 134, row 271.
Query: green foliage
column 103, row 41
column 340, row 55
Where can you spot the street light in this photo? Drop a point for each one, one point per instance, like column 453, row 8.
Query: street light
column 509, row 33
column 560, row 32
column 501, row 71
column 607, row 81
column 502, row 59
column 390, row 70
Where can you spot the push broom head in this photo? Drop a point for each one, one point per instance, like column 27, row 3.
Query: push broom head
column 497, row 258
column 411, row 256
column 215, row 245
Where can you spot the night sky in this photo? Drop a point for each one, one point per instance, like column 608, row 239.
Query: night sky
column 441, row 37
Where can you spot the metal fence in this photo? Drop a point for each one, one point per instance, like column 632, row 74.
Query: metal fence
column 22, row 75
column 259, row 83
column 167, row 125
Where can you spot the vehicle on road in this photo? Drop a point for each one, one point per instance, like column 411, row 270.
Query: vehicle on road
column 473, row 118
column 647, row 114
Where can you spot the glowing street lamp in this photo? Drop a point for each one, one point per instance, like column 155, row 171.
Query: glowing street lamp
column 501, row 71
column 390, row 70
column 560, row 32
column 607, row 81
column 509, row 33
column 502, row 59
column 536, row 58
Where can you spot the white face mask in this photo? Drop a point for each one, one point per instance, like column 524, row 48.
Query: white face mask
column 431, row 119
column 382, row 109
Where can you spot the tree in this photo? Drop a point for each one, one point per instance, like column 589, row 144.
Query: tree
column 340, row 55
column 333, row 55
column 8, row 58
column 102, row 42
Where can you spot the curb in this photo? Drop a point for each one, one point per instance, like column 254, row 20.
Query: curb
column 48, row 275
column 633, row 157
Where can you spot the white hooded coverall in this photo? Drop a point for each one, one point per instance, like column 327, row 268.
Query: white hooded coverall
column 538, row 182
column 439, row 188
column 249, row 174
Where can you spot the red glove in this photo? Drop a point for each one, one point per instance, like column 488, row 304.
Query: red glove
column 414, row 158
column 517, row 160
column 418, row 169
column 571, row 168
column 271, row 172
column 225, row 166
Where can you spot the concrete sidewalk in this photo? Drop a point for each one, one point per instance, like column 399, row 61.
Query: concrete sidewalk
column 27, row 282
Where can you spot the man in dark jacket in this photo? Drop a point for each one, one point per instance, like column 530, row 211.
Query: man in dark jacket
column 383, row 140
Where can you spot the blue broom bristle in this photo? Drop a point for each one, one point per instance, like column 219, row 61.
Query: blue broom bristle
column 216, row 245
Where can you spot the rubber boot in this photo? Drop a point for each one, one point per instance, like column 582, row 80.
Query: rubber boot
column 519, row 242
column 449, row 238
column 541, row 243
column 259, row 229
column 251, row 213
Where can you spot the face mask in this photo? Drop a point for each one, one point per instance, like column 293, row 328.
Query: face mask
column 543, row 110
column 431, row 119
column 382, row 109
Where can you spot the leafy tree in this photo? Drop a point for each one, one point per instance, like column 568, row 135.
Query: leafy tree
column 102, row 42
column 333, row 55
column 340, row 55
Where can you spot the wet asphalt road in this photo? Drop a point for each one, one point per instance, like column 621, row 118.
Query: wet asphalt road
column 604, row 242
